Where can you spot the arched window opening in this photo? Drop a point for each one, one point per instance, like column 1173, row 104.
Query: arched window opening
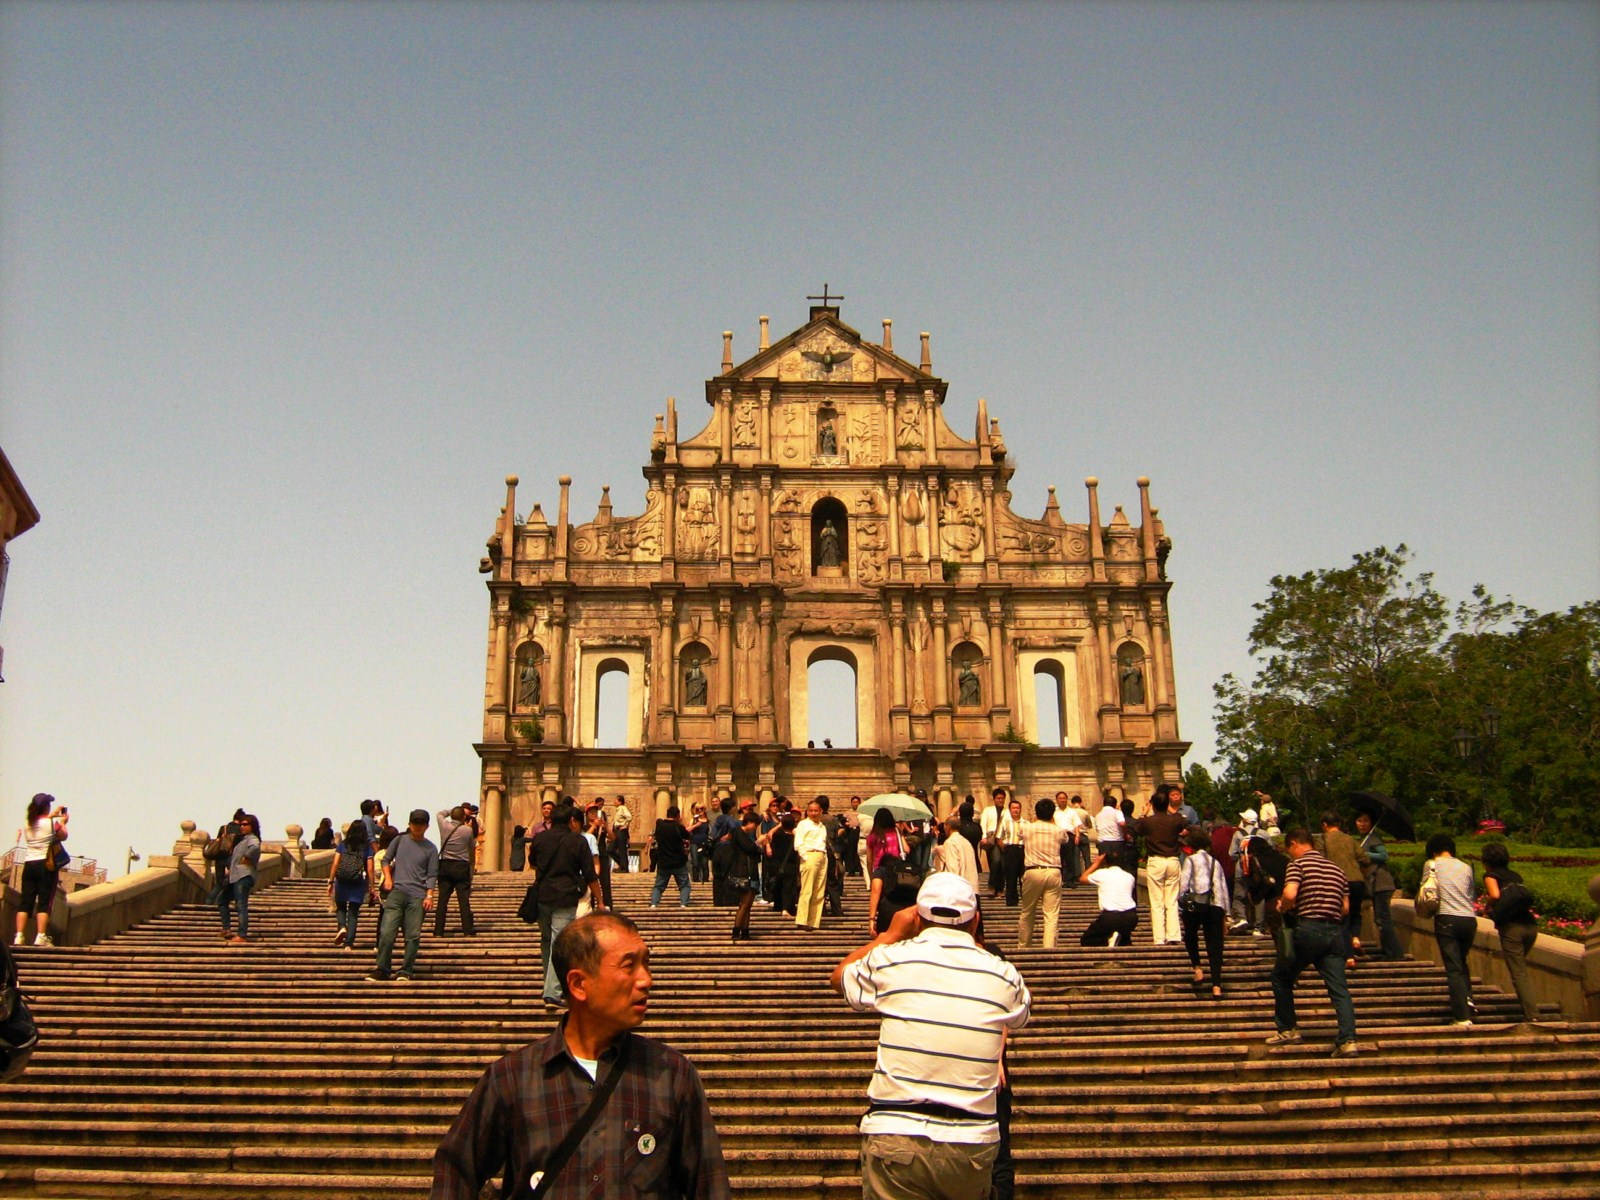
column 611, row 704
column 830, row 531
column 1049, row 702
column 966, row 665
column 694, row 676
column 831, row 699
column 1131, row 675
column 527, row 683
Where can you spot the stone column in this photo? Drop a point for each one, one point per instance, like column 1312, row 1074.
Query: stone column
column 941, row 655
column 766, row 424
column 669, row 524
column 494, row 828
column 1000, row 648
column 897, row 638
column 767, row 721
column 666, row 672
column 764, row 521
column 555, row 712
column 497, row 727
column 933, row 499
column 893, row 484
column 725, row 522
column 725, row 692
column 991, row 553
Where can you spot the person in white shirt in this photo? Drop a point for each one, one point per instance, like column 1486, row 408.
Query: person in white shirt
column 955, row 854
column 948, row 1005
column 1009, row 834
column 621, row 822
column 1112, row 873
column 1072, row 819
column 811, row 848
column 989, row 825
column 1108, row 821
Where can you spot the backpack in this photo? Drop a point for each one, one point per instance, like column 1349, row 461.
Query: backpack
column 19, row 1036
column 352, row 867
column 1516, row 902
column 1194, row 900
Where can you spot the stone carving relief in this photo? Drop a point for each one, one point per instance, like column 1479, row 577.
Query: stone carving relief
column 828, row 358
column 744, row 523
column 697, row 524
column 872, row 538
column 1023, row 539
column 908, row 425
column 744, row 423
column 864, row 436
column 787, row 558
column 636, row 539
column 790, row 434
column 961, row 523
column 913, row 513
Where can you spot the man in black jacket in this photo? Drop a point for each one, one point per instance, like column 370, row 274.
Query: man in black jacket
column 672, row 857
column 563, row 867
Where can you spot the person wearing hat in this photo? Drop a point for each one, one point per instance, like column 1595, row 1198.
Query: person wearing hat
column 411, row 873
column 1239, row 911
column 931, row 1126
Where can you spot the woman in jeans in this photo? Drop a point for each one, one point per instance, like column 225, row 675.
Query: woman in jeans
column 241, row 878
column 1201, row 877
column 44, row 822
column 348, row 895
column 1511, row 911
column 1456, row 925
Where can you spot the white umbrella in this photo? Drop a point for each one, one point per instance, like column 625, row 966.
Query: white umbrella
column 901, row 806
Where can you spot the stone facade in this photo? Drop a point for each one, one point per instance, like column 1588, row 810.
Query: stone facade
column 17, row 516
column 826, row 511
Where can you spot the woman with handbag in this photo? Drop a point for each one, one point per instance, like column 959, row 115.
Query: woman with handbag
column 1202, row 905
column 39, row 851
column 1456, row 923
column 1511, row 910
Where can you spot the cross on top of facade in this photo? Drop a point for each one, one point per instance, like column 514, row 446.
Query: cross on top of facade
column 827, row 300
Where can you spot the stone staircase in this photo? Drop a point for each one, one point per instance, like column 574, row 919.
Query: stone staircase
column 174, row 1065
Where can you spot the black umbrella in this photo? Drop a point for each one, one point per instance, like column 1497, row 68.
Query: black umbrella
column 1386, row 813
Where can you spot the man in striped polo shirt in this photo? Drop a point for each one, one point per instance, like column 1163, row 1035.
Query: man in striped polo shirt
column 1316, row 891
column 947, row 1005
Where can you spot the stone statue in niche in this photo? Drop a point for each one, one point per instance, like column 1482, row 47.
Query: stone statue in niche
column 694, row 685
column 529, row 684
column 828, row 545
column 1131, row 678
column 827, row 437
column 969, row 691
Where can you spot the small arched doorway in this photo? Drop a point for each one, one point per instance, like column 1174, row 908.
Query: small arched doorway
column 831, row 698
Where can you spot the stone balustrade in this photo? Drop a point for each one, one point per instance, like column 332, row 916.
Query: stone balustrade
column 93, row 914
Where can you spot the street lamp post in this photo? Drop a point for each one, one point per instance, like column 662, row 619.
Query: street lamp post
column 133, row 857
column 1476, row 750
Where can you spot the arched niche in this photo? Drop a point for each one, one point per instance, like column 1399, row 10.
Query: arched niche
column 1133, row 682
column 858, row 652
column 527, row 678
column 1048, row 677
column 1049, row 703
column 832, row 680
column 694, row 677
column 830, row 534
column 616, row 671
column 969, row 685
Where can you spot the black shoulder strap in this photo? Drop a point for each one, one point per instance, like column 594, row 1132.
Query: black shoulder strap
column 597, row 1101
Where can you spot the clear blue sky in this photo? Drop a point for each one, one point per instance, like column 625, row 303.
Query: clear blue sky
column 287, row 289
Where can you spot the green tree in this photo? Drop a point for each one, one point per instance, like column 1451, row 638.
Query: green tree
column 1366, row 674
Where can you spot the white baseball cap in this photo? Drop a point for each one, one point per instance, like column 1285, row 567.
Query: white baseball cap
column 946, row 898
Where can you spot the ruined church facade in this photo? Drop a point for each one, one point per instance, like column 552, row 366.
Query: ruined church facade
column 827, row 511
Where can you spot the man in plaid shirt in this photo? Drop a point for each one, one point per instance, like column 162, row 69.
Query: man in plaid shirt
column 654, row 1138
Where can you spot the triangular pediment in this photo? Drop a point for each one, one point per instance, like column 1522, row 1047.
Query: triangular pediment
column 826, row 350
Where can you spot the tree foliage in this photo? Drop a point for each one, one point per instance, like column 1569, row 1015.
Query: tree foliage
column 1366, row 675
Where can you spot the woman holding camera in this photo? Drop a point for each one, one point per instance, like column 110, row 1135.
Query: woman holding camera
column 46, row 824
column 242, row 863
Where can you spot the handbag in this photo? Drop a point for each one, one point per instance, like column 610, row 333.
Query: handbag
column 544, row 1178
column 528, row 910
column 1427, row 904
